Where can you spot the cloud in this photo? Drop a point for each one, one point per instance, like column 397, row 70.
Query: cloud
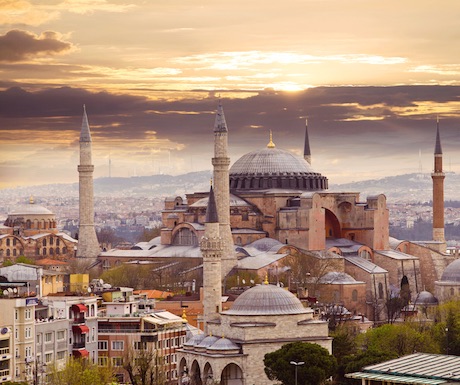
column 23, row 12
column 90, row 6
column 17, row 45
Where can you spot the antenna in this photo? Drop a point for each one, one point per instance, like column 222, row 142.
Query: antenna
column 420, row 161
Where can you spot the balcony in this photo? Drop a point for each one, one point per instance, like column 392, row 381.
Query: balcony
column 79, row 320
column 78, row 345
column 4, row 351
column 4, row 373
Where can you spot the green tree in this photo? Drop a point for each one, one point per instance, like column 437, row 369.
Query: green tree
column 144, row 366
column 149, row 234
column 401, row 339
column 80, row 372
column 319, row 364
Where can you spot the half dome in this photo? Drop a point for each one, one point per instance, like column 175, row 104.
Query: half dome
column 266, row 300
column 274, row 168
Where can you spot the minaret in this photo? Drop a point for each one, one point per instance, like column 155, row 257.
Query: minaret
column 212, row 247
column 438, row 193
column 221, row 163
column 306, row 148
column 88, row 246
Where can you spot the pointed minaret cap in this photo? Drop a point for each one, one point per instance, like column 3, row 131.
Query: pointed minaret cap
column 306, row 149
column 437, row 148
column 85, row 135
column 211, row 211
column 220, row 124
column 270, row 143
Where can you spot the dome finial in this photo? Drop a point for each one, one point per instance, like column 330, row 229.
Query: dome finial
column 266, row 279
column 31, row 200
column 184, row 316
column 270, row 143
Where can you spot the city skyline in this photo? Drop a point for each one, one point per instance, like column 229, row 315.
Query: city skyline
column 371, row 78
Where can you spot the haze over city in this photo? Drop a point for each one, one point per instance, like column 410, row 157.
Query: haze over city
column 371, row 78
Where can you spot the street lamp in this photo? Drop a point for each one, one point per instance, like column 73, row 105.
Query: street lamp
column 296, row 364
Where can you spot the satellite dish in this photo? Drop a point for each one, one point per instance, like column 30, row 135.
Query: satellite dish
column 6, row 292
column 252, row 281
column 10, row 290
column 244, row 281
column 89, row 290
column 15, row 290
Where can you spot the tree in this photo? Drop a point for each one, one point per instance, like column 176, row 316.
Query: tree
column 144, row 366
column 319, row 364
column 80, row 372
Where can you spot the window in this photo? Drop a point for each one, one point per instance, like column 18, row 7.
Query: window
column 380, row 290
column 117, row 361
column 102, row 345
column 117, row 345
column 14, row 252
column 93, row 334
column 51, row 241
column 61, row 355
column 28, row 352
column 28, row 313
column 60, row 335
column 16, row 314
column 102, row 361
column 44, row 251
column 8, row 242
column 14, row 241
column 48, row 337
column 38, row 338
column 48, row 357
column 28, row 332
column 58, row 241
column 140, row 345
column 44, row 242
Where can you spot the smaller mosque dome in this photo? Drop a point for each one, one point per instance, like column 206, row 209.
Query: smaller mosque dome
column 31, row 209
column 224, row 344
column 425, row 298
column 266, row 300
column 336, row 277
column 194, row 340
column 206, row 343
column 452, row 272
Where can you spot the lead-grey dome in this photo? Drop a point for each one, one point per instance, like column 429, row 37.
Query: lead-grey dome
column 266, row 300
column 452, row 272
column 425, row 298
column 274, row 168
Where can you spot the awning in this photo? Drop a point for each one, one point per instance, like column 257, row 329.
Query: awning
column 81, row 353
column 395, row 378
column 79, row 308
column 83, row 329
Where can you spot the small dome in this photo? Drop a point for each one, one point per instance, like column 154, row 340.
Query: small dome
column 224, row 344
column 425, row 298
column 207, row 342
column 274, row 168
column 195, row 340
column 452, row 272
column 31, row 209
column 234, row 202
column 266, row 300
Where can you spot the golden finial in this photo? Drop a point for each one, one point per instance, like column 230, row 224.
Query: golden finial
column 266, row 279
column 31, row 200
column 270, row 143
column 184, row 316
column 210, row 182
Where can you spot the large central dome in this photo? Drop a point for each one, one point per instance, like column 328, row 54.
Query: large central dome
column 274, row 168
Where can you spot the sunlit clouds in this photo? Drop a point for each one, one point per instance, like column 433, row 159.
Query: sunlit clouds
column 371, row 77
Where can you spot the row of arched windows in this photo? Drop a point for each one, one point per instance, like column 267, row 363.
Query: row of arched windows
column 11, row 252
column 51, row 251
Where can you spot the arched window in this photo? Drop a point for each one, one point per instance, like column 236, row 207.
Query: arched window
column 51, row 251
column 8, row 252
column 64, row 250
column 238, row 241
column 44, row 242
column 58, row 251
column 8, row 242
column 14, row 252
column 452, row 291
column 28, row 224
column 44, row 251
column 58, row 241
column 380, row 290
column 51, row 241
column 1, row 252
column 14, row 241
column 185, row 237
column 354, row 295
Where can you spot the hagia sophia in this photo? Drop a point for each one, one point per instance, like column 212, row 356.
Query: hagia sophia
column 269, row 214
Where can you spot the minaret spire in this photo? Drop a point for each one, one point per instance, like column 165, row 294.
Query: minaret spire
column 88, row 246
column 270, row 143
column 438, row 176
column 221, row 180
column 306, row 149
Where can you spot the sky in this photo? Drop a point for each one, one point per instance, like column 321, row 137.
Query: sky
column 371, row 77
